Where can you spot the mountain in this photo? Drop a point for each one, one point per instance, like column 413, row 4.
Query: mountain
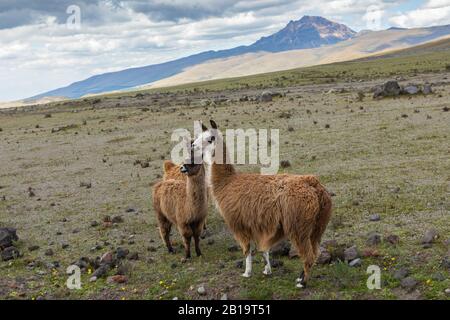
column 308, row 32
column 365, row 44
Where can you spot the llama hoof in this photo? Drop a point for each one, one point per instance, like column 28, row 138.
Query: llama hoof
column 299, row 285
column 267, row 272
column 246, row 275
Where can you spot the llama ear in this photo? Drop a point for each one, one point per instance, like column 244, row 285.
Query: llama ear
column 204, row 128
column 213, row 124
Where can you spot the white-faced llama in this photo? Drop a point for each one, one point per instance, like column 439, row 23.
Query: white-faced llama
column 265, row 209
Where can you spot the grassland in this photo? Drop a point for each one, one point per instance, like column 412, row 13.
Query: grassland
column 388, row 157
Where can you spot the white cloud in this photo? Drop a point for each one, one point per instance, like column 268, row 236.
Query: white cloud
column 432, row 12
column 39, row 53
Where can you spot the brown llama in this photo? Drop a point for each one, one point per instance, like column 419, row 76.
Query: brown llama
column 183, row 203
column 266, row 209
column 172, row 171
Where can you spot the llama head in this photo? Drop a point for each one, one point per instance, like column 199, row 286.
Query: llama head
column 207, row 140
column 193, row 163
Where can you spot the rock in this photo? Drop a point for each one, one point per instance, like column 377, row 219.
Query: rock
column 10, row 253
column 427, row 89
column 351, row 253
column 201, row 290
column 373, row 239
column 355, row 263
column 94, row 224
column 447, row 291
column 117, row 279
column 86, row 185
column 293, row 253
column 408, row 283
column 277, row 263
column 123, row 268
column 233, row 248
column 324, row 256
column 133, row 256
column 281, row 249
column 446, row 263
column 430, row 236
column 285, row 164
column 266, row 96
column 375, row 217
column 401, row 273
column 225, row 296
column 210, row 241
column 101, row 271
column 7, row 236
column 49, row 252
column 117, row 219
column 411, row 89
column 121, row 253
column 388, row 89
column 370, row 252
column 392, row 239
column 64, row 245
column 239, row 264
column 93, row 279
column 33, row 248
column 107, row 258
column 151, row 249
column 439, row 277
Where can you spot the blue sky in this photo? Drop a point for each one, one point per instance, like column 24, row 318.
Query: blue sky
column 39, row 52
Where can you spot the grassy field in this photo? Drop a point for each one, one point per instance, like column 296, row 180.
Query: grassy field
column 388, row 157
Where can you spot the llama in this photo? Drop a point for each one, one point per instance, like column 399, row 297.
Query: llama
column 266, row 209
column 172, row 171
column 183, row 203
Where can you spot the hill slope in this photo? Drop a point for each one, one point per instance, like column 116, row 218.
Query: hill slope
column 308, row 32
column 363, row 45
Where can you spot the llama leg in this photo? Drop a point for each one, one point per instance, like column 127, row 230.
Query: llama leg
column 307, row 253
column 164, row 231
column 248, row 260
column 267, row 268
column 197, row 232
column 187, row 246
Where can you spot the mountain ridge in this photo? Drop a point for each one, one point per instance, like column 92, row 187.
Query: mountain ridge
column 307, row 29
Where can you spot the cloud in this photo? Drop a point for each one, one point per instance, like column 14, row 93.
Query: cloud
column 432, row 12
column 38, row 52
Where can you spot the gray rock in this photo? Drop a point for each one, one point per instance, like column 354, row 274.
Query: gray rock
column 49, row 252
column 224, row 297
column 447, row 291
column 411, row 89
column 107, row 258
column 401, row 273
column 355, row 263
column 408, row 283
column 351, row 253
column 201, row 290
column 373, row 239
column 430, row 236
column 101, row 271
column 446, row 263
column 233, row 248
column 121, row 253
column 7, row 236
column 266, row 96
column 117, row 219
column 388, row 89
column 375, row 217
column 427, row 89
column 281, row 249
column 239, row 264
column 324, row 256
column 392, row 239
column 10, row 253
column 33, row 248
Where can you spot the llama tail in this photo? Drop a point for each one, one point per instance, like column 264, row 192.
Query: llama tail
column 323, row 217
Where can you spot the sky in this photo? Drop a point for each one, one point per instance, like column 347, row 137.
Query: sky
column 47, row 44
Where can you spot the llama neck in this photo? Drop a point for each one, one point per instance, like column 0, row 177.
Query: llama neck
column 221, row 169
column 196, row 190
